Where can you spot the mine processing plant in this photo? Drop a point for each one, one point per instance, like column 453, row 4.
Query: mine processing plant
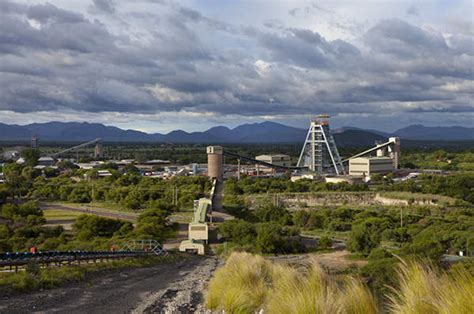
column 320, row 156
column 319, row 153
column 215, row 160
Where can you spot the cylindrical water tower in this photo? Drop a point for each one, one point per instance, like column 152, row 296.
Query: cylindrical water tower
column 215, row 167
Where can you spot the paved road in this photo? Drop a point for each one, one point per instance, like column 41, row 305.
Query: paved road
column 174, row 285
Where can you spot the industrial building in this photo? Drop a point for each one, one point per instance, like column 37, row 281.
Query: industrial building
column 198, row 229
column 99, row 150
column 11, row 155
column 46, row 161
column 367, row 166
column 319, row 159
column 279, row 160
column 34, row 142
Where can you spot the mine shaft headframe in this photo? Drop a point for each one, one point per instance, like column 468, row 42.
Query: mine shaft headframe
column 319, row 152
column 321, row 119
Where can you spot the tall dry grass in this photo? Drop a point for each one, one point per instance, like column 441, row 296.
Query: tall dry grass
column 423, row 290
column 241, row 285
column 248, row 283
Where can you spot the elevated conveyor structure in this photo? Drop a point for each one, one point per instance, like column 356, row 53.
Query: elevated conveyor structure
column 393, row 145
column 260, row 162
column 198, row 228
column 98, row 149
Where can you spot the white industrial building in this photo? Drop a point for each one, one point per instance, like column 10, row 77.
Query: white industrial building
column 46, row 161
column 367, row 166
column 279, row 160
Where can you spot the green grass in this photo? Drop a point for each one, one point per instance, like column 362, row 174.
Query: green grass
column 182, row 216
column 106, row 207
column 45, row 278
column 339, row 235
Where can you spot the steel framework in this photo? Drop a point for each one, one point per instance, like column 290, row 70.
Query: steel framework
column 147, row 245
column 319, row 152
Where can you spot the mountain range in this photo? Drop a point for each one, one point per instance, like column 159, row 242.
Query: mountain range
column 265, row 132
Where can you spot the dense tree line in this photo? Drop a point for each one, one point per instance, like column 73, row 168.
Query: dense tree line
column 269, row 230
column 126, row 187
column 376, row 234
column 459, row 186
column 22, row 226
column 250, row 185
column 439, row 159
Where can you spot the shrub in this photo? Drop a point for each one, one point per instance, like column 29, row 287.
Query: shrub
column 366, row 235
column 89, row 226
column 324, row 243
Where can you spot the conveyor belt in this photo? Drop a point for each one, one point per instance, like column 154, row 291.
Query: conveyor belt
column 267, row 164
column 52, row 257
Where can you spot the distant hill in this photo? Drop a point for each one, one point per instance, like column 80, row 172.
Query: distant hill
column 357, row 138
column 265, row 132
column 13, row 132
column 420, row 132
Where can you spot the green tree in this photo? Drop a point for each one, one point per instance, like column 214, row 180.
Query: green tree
column 366, row 235
column 238, row 231
column 31, row 156
column 268, row 238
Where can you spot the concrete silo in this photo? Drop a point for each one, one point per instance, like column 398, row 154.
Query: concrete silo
column 215, row 168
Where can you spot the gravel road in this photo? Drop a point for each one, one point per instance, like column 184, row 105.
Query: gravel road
column 174, row 287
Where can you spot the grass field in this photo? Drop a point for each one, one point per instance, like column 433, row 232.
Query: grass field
column 106, row 207
column 59, row 214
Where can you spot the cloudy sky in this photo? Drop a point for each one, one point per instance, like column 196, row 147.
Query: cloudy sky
column 158, row 65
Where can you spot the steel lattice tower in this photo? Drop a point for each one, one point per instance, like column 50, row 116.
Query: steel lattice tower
column 319, row 151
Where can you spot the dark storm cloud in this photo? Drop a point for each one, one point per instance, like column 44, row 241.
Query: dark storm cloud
column 413, row 10
column 403, row 40
column 53, row 59
column 46, row 13
column 106, row 6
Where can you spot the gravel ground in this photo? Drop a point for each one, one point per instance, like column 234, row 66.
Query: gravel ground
column 174, row 287
column 185, row 294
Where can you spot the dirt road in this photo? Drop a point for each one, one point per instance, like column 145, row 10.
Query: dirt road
column 165, row 288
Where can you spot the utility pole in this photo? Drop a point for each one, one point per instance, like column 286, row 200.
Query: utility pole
column 401, row 217
column 238, row 169
column 92, row 195
column 175, row 196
